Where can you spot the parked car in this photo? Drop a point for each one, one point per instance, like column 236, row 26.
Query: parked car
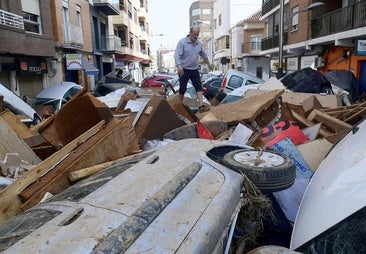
column 57, row 94
column 156, row 80
column 168, row 200
column 238, row 93
column 18, row 106
column 307, row 80
column 211, row 87
column 235, row 78
column 107, row 88
column 117, row 76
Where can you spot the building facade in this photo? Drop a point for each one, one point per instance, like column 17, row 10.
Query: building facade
column 245, row 38
column 328, row 37
column 27, row 47
column 131, row 27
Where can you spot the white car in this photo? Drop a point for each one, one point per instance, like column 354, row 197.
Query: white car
column 238, row 93
column 234, row 79
column 18, row 106
column 57, row 94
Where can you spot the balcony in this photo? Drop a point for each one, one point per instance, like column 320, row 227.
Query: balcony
column 269, row 5
column 348, row 18
column 111, row 44
column 12, row 20
column 108, row 7
column 73, row 37
column 272, row 41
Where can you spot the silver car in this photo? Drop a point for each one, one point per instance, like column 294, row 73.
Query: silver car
column 171, row 200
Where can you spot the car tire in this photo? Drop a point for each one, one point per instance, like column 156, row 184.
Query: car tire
column 274, row 171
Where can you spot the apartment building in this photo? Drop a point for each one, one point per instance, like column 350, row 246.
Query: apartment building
column 131, row 27
column 245, row 45
column 26, row 45
column 331, row 36
column 104, row 44
column 201, row 13
column 73, row 38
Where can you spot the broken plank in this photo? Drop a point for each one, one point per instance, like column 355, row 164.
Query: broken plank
column 17, row 125
column 331, row 122
column 11, row 143
column 309, row 123
column 10, row 202
column 112, row 142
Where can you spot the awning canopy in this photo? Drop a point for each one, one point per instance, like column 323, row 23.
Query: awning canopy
column 89, row 68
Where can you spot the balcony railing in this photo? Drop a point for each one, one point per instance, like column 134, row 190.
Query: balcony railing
column 111, row 43
column 73, row 36
column 269, row 5
column 341, row 20
column 273, row 41
column 12, row 20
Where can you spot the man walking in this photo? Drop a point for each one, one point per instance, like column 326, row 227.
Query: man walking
column 186, row 60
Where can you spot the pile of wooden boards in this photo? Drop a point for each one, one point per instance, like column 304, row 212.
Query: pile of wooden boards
column 86, row 136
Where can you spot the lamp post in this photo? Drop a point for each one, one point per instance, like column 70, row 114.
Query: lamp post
column 280, row 52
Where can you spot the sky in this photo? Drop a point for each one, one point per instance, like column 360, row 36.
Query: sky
column 170, row 18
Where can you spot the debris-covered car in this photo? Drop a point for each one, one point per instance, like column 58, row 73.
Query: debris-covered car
column 307, row 80
column 235, row 78
column 18, row 106
column 135, row 206
column 156, row 80
column 175, row 199
column 56, row 95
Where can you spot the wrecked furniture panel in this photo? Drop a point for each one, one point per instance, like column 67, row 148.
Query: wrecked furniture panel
column 246, row 109
column 115, row 140
column 156, row 119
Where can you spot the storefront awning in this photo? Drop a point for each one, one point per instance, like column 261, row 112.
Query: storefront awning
column 89, row 68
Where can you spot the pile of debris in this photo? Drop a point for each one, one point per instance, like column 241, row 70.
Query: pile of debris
column 86, row 135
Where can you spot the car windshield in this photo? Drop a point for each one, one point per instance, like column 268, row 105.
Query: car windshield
column 20, row 226
column 235, row 81
column 230, row 98
column 347, row 236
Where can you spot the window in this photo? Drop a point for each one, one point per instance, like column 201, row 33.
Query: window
column 31, row 16
column 122, row 5
column 78, row 15
column 206, row 11
column 131, row 40
column 295, row 19
column 66, row 23
column 135, row 18
column 129, row 9
column 255, row 42
column 235, row 81
column 195, row 12
column 220, row 19
column 31, row 23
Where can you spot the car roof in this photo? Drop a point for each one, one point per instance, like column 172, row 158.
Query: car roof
column 241, row 73
column 57, row 90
